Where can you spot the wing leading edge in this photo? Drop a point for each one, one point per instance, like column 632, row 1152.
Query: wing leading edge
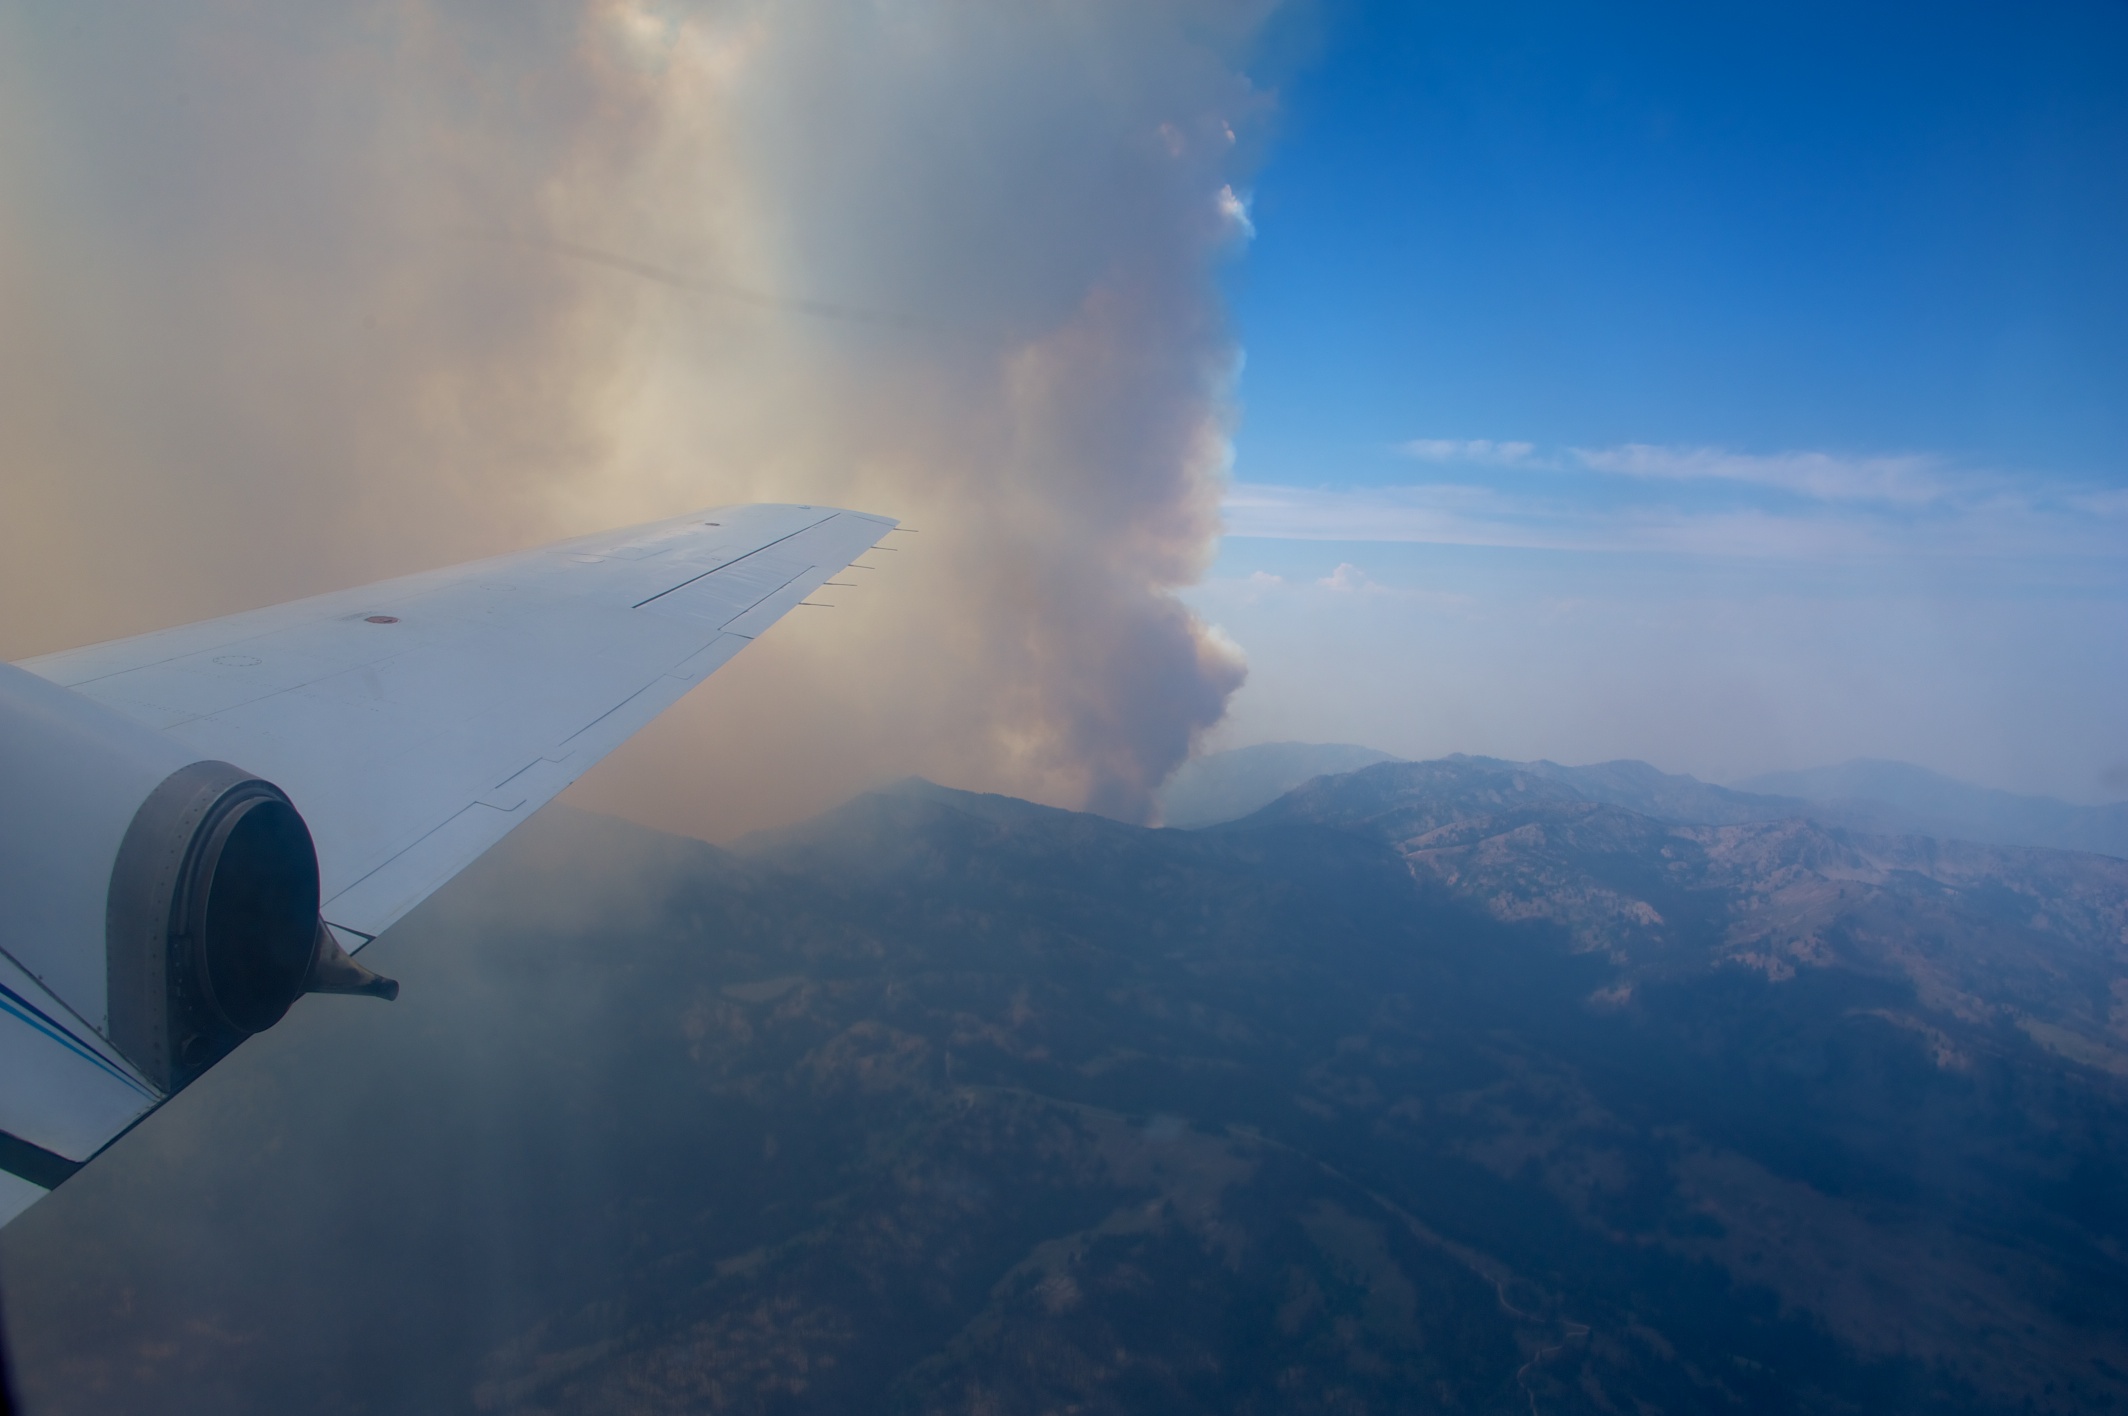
column 413, row 723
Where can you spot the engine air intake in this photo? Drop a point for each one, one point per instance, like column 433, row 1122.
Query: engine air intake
column 213, row 928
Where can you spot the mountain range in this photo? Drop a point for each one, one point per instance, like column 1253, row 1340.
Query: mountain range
column 1895, row 798
column 1459, row 1086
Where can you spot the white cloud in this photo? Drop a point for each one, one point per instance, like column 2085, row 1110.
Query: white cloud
column 2108, row 502
column 1483, row 451
column 1902, row 480
column 1462, row 515
column 1714, row 611
column 1349, row 579
column 1899, row 479
column 1800, row 504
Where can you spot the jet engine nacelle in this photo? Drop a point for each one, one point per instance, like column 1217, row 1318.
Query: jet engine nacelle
column 169, row 900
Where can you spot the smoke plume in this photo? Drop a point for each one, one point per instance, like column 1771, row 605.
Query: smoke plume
column 297, row 297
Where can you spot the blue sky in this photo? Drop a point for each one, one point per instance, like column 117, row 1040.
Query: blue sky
column 1776, row 349
column 1619, row 223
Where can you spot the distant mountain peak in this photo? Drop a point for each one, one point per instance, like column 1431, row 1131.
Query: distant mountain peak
column 1224, row 786
column 1877, row 794
column 1866, row 794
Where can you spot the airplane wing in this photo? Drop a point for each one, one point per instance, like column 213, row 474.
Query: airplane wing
column 412, row 723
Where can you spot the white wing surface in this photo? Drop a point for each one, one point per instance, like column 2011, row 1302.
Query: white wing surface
column 413, row 723
column 416, row 721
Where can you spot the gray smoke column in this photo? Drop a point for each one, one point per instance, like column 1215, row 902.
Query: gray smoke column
column 295, row 297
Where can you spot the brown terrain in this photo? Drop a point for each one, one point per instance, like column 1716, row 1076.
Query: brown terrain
column 1434, row 1086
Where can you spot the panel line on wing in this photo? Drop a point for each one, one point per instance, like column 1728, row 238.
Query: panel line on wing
column 736, row 559
column 614, row 709
column 518, row 773
column 391, row 860
column 17, row 1006
column 769, row 595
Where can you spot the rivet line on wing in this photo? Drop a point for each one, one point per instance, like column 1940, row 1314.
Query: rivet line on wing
column 734, row 561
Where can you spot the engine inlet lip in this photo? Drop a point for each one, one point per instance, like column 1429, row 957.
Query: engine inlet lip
column 218, row 974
